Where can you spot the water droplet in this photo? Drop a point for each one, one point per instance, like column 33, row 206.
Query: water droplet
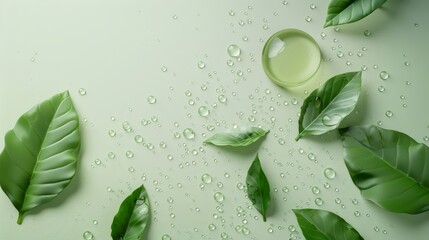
column 329, row 173
column 384, row 75
column 131, row 169
column 234, row 50
column 294, row 101
column 164, row 69
column 308, row 19
column 389, row 114
column 189, row 133
column 367, row 33
column 406, row 63
column 318, row 201
column 203, row 111
column 311, row 156
column 426, row 138
column 201, row 65
column 381, row 89
column 376, row 229
column 222, row 98
column 206, row 178
column 340, row 54
column 231, row 13
column 331, row 120
column 219, row 197
column 312, row 6
column 111, row 133
column 151, row 99
column 97, row 161
column 166, row 237
column 82, row 91
column 315, row 190
column 95, row 222
column 357, row 213
column 281, row 141
column 87, row 235
column 126, row 126
column 212, row 227
column 111, row 155
column 129, row 154
column 138, row 139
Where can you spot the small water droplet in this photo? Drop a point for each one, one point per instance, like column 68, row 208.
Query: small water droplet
column 329, row 173
column 164, row 69
column 357, row 213
column 189, row 133
column 131, row 169
column 389, row 114
column 281, row 141
column 311, row 156
column 201, row 65
column 340, row 54
column 312, row 6
column 231, row 13
column 82, row 91
column 111, row 155
column 294, row 101
column 381, row 89
column 315, row 190
column 87, row 235
column 308, row 19
column 95, row 222
column 234, row 50
column 111, row 133
column 206, row 178
column 406, row 63
column 203, row 111
column 97, row 161
column 331, row 120
column 219, row 197
column 129, row 154
column 318, row 201
column 367, row 33
column 138, row 139
column 384, row 75
column 166, row 237
column 126, row 126
column 151, row 99
column 426, row 138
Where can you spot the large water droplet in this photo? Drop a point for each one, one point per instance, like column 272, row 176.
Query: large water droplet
column 203, row 111
column 151, row 99
column 384, row 75
column 331, row 120
column 330, row 173
column 87, row 235
column 234, row 50
column 189, row 133
column 206, row 178
column 219, row 197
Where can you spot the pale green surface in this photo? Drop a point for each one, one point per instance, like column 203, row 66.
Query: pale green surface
column 115, row 50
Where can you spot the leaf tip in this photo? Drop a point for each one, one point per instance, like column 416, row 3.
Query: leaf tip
column 298, row 137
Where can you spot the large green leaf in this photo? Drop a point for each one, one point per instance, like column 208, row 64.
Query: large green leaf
column 324, row 225
column 132, row 218
column 325, row 108
column 40, row 154
column 348, row 11
column 237, row 138
column 389, row 167
column 258, row 188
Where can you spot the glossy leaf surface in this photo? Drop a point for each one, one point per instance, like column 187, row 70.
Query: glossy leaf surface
column 40, row 154
column 258, row 188
column 132, row 218
column 389, row 167
column 324, row 225
column 348, row 11
column 325, row 108
column 237, row 138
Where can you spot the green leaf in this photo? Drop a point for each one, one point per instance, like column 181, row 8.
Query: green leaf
column 348, row 11
column 237, row 138
column 40, row 154
column 325, row 108
column 324, row 225
column 389, row 167
column 258, row 188
column 132, row 218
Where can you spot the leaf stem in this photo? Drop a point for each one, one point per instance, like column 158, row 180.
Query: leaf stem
column 20, row 217
column 298, row 137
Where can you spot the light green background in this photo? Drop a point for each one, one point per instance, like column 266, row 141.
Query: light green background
column 115, row 50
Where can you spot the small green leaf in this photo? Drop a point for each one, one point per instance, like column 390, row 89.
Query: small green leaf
column 40, row 154
column 389, row 167
column 132, row 218
column 325, row 108
column 348, row 11
column 324, row 225
column 237, row 138
column 258, row 188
